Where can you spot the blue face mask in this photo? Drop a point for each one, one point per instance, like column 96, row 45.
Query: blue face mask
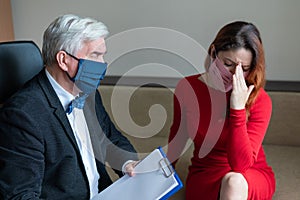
column 89, row 74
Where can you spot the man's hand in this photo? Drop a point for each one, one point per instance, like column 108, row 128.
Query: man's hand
column 129, row 168
column 240, row 92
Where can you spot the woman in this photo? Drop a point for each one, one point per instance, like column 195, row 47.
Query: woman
column 226, row 112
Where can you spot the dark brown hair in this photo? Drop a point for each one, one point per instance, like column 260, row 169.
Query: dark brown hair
column 241, row 34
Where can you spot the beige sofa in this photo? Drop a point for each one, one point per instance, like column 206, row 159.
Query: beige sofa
column 145, row 115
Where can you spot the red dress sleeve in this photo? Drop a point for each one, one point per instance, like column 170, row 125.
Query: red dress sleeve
column 178, row 133
column 246, row 136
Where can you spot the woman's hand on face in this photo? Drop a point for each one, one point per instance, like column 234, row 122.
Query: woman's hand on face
column 240, row 92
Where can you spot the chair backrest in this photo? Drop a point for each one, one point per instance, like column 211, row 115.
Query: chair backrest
column 19, row 62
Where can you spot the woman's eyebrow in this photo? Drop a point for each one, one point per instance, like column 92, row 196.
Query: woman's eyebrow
column 235, row 62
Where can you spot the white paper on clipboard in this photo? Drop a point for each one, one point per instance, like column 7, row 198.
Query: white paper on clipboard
column 154, row 179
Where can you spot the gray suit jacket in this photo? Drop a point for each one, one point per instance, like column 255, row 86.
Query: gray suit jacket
column 39, row 156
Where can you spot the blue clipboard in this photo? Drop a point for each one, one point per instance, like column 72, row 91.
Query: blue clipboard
column 155, row 179
column 179, row 186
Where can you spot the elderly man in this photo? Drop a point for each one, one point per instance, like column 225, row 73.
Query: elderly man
column 55, row 135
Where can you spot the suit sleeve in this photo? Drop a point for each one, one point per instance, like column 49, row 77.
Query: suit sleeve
column 21, row 156
column 246, row 136
column 119, row 149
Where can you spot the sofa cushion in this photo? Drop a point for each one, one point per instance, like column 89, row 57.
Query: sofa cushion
column 141, row 112
column 284, row 128
column 285, row 161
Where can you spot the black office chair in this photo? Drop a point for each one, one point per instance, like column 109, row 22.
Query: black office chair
column 19, row 62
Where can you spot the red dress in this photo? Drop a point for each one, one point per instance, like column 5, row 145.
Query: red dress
column 225, row 140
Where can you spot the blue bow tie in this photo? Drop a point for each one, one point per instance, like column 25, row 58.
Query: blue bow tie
column 78, row 102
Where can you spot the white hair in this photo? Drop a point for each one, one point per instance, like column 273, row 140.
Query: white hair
column 69, row 32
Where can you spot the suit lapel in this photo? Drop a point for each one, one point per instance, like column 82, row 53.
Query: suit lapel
column 55, row 104
column 96, row 132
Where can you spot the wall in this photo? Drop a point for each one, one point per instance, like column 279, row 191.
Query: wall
column 6, row 25
column 177, row 48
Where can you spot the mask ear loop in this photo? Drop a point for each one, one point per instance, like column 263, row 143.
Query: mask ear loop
column 72, row 56
column 213, row 52
column 210, row 58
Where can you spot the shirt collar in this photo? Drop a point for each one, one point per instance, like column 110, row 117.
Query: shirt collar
column 64, row 96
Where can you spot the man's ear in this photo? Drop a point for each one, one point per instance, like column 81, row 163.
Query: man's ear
column 62, row 60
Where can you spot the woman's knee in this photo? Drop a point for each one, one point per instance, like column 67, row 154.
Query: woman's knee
column 234, row 187
column 234, row 179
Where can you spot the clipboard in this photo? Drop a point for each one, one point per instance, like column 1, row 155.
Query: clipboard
column 154, row 179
